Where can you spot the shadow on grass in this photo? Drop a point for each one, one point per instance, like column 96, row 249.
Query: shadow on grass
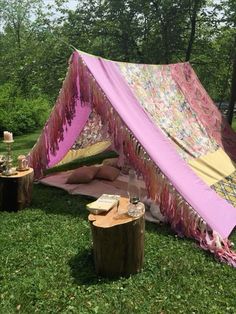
column 82, row 268
column 161, row 228
column 57, row 201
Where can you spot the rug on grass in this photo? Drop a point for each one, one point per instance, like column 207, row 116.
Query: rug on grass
column 97, row 187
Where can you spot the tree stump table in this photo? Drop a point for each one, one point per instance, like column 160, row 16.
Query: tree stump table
column 118, row 241
column 16, row 190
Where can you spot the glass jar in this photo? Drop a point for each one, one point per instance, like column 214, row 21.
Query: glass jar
column 133, row 187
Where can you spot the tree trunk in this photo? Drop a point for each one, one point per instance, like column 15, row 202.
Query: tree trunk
column 193, row 19
column 18, row 37
column 233, row 89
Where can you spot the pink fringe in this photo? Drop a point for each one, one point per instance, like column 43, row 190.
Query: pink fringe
column 60, row 117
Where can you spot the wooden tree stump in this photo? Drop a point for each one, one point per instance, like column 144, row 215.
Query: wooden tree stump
column 16, row 190
column 118, row 242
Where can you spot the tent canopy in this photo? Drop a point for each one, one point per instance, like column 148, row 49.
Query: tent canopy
column 159, row 118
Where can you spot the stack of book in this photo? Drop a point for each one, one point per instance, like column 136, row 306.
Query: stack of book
column 103, row 204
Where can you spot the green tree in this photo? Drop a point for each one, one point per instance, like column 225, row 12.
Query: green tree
column 31, row 46
column 231, row 22
column 16, row 15
column 194, row 7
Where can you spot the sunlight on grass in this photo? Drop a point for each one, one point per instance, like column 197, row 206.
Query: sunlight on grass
column 234, row 124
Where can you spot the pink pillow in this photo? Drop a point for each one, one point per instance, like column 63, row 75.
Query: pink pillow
column 110, row 162
column 82, row 175
column 107, row 173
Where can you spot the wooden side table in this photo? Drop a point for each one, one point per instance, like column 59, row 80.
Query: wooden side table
column 16, row 190
column 118, row 242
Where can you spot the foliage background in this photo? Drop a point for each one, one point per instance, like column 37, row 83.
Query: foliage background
column 36, row 41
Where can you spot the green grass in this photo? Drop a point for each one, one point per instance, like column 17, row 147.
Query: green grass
column 46, row 265
column 234, row 124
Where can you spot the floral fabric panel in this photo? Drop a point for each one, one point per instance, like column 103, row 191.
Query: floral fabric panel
column 165, row 104
column 94, row 131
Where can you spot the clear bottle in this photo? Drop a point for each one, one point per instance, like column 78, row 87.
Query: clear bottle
column 133, row 187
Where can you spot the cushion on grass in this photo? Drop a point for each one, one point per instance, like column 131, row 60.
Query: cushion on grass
column 82, row 175
column 107, row 173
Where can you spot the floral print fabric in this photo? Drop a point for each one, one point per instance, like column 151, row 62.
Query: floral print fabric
column 165, row 104
column 94, row 131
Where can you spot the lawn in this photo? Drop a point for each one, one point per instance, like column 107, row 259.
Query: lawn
column 46, row 264
column 234, row 123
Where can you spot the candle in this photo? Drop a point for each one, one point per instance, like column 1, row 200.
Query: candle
column 8, row 136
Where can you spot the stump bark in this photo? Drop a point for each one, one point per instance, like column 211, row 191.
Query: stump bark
column 118, row 242
column 16, row 190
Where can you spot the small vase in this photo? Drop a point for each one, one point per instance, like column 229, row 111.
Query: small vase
column 133, row 187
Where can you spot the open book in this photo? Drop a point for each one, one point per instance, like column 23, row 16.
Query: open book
column 104, row 203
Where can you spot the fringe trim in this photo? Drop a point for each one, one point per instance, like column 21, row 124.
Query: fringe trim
column 60, row 118
column 181, row 216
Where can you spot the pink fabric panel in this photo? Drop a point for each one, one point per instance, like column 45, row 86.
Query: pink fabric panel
column 71, row 132
column 219, row 214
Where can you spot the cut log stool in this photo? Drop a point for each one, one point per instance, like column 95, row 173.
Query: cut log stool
column 118, row 242
column 16, row 190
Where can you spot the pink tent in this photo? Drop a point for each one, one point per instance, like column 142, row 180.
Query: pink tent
column 158, row 118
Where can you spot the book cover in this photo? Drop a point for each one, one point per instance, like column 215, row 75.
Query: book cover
column 103, row 204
